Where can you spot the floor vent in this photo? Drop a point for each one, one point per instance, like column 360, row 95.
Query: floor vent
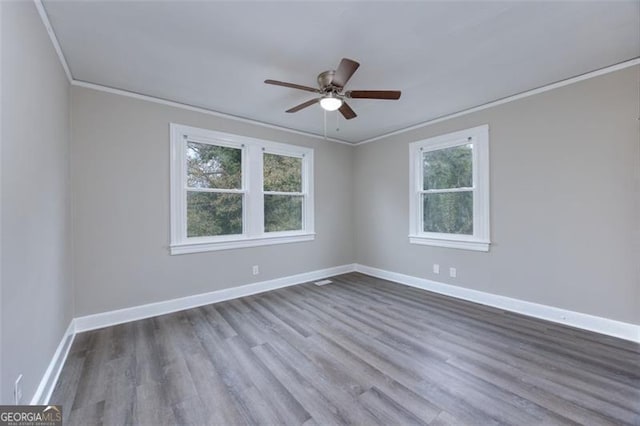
column 323, row 282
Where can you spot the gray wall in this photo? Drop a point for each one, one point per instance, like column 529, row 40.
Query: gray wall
column 120, row 185
column 565, row 201
column 565, row 193
column 37, row 299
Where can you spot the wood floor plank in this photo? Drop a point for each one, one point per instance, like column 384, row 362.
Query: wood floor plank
column 285, row 405
column 314, row 401
column 150, row 408
column 387, row 410
column 358, row 351
column 93, row 372
column 215, row 399
column 411, row 401
column 445, row 419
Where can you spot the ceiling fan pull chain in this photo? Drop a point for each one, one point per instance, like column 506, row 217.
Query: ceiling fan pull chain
column 325, row 124
column 337, row 122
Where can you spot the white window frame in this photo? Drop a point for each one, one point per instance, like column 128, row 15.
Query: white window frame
column 480, row 240
column 252, row 189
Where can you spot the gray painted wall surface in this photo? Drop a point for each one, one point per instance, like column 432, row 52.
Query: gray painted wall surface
column 565, row 201
column 120, row 184
column 37, row 297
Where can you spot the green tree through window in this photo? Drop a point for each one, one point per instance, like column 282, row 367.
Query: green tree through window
column 211, row 168
column 283, row 193
column 448, row 182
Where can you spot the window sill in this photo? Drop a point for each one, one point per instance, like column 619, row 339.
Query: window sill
column 243, row 242
column 474, row 245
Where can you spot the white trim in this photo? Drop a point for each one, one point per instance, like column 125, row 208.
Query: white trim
column 50, row 377
column 52, row 35
column 106, row 319
column 532, row 92
column 450, row 243
column 594, row 323
column 201, row 110
column 186, row 248
column 480, row 239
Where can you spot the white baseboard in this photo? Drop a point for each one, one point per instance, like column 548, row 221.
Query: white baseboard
column 601, row 325
column 106, row 319
column 50, row 377
column 91, row 322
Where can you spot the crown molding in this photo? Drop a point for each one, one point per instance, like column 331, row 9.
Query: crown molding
column 201, row 110
column 532, row 92
column 54, row 40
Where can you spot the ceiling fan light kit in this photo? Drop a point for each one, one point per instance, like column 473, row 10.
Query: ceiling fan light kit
column 331, row 85
column 330, row 102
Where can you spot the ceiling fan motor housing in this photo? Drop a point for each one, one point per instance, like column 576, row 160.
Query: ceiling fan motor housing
column 324, row 80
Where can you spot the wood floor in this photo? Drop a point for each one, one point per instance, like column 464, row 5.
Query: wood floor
column 358, row 351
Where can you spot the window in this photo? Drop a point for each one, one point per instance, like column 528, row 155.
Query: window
column 283, row 196
column 230, row 191
column 449, row 200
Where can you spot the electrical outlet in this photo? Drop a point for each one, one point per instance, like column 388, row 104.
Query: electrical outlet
column 436, row 268
column 256, row 269
column 452, row 272
column 17, row 390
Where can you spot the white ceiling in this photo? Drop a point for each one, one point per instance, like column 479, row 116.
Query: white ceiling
column 444, row 56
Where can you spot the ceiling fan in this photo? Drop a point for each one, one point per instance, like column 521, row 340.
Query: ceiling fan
column 331, row 85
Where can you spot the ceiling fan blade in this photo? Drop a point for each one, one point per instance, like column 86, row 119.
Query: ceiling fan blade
column 373, row 94
column 347, row 112
column 292, row 85
column 303, row 105
column 344, row 72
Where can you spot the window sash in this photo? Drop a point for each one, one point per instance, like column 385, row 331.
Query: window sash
column 220, row 236
column 303, row 170
column 302, row 212
column 185, row 178
column 421, row 201
column 419, row 194
column 441, row 191
column 303, row 194
column 223, row 191
column 452, row 144
column 222, row 144
column 300, row 194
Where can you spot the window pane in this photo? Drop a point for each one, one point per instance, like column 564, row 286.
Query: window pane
column 449, row 213
column 212, row 166
column 282, row 213
column 448, row 168
column 282, row 173
column 213, row 213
